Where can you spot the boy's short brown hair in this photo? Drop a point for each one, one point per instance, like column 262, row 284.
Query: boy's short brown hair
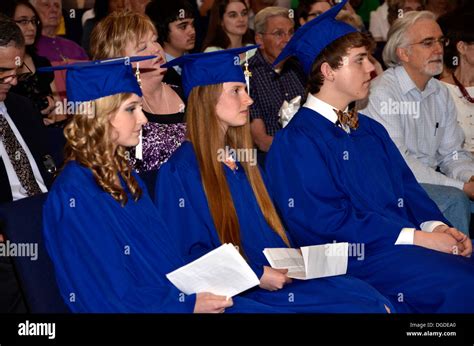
column 333, row 55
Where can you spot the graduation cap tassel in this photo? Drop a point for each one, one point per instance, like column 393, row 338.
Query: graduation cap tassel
column 137, row 75
column 247, row 72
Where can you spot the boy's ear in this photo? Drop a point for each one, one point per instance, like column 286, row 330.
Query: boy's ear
column 327, row 71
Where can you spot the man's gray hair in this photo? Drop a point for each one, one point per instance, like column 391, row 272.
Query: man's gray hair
column 397, row 35
column 262, row 17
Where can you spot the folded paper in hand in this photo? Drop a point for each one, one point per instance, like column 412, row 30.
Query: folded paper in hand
column 310, row 262
column 288, row 110
column 223, row 271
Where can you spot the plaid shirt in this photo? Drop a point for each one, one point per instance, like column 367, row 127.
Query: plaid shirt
column 269, row 89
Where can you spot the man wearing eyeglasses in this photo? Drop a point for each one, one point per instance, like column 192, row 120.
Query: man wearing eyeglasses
column 22, row 145
column 22, row 141
column 269, row 86
column 420, row 116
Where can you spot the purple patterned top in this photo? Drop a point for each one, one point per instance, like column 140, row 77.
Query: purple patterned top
column 162, row 135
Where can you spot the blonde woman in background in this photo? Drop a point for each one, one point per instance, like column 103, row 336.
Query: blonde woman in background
column 132, row 34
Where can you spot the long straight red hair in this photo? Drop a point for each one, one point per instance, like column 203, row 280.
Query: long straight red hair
column 204, row 133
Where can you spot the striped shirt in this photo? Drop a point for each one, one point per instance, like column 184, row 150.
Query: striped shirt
column 423, row 125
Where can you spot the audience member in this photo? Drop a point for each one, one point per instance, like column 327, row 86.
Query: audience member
column 310, row 9
column 228, row 27
column 50, row 45
column 420, row 115
column 23, row 153
column 398, row 8
column 459, row 59
column 379, row 25
column 35, row 86
column 269, row 86
column 174, row 22
column 130, row 34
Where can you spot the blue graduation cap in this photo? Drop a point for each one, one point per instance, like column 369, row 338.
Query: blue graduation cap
column 210, row 68
column 310, row 39
column 87, row 81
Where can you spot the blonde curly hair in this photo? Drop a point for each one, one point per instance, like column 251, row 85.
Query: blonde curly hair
column 90, row 143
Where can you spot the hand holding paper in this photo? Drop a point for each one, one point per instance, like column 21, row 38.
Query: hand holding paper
column 311, row 262
column 223, row 271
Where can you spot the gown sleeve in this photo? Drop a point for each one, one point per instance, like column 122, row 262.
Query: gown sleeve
column 92, row 272
column 181, row 202
column 315, row 209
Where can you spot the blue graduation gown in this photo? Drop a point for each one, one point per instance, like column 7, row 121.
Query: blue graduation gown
column 181, row 201
column 332, row 186
column 110, row 258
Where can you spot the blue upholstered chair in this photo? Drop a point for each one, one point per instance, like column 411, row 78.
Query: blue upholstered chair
column 21, row 222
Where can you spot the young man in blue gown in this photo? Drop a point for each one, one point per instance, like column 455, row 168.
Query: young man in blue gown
column 337, row 176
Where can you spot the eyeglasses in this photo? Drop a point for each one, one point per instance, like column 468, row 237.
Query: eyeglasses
column 24, row 22
column 280, row 34
column 19, row 77
column 25, row 75
column 430, row 42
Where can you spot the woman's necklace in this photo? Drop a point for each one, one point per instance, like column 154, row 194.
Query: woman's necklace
column 463, row 90
column 163, row 85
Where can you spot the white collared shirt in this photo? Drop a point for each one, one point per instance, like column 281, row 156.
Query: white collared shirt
column 169, row 58
column 423, row 124
column 18, row 192
column 326, row 110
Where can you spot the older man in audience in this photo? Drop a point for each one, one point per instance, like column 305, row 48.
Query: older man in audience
column 22, row 147
column 22, row 139
column 269, row 86
column 50, row 45
column 420, row 115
